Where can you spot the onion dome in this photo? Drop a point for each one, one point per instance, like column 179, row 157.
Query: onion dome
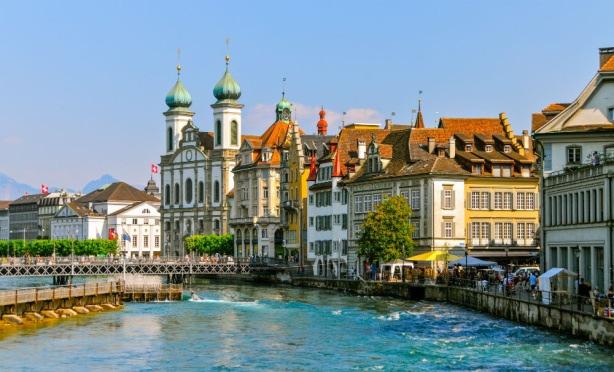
column 322, row 123
column 227, row 89
column 178, row 96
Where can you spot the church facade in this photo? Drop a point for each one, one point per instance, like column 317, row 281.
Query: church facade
column 196, row 167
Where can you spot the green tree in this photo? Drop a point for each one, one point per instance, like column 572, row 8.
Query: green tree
column 210, row 244
column 386, row 231
column 64, row 247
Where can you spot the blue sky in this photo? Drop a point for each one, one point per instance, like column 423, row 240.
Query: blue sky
column 83, row 83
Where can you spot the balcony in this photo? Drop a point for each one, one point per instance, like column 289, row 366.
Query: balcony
column 291, row 204
column 242, row 221
column 580, row 172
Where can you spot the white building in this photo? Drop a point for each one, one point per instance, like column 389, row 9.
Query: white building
column 577, row 143
column 327, row 216
column 117, row 211
column 196, row 168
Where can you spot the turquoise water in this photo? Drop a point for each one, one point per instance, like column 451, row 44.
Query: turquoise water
column 279, row 328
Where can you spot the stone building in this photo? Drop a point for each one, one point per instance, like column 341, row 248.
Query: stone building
column 576, row 141
column 23, row 217
column 196, row 169
column 256, row 214
column 4, row 219
column 48, row 206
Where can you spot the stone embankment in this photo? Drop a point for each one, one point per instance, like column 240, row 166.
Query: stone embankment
column 564, row 320
column 25, row 305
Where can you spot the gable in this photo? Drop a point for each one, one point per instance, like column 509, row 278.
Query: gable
column 66, row 211
column 188, row 154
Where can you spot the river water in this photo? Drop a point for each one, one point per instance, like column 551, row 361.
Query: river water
column 246, row 327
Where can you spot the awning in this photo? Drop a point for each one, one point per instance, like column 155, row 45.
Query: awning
column 434, row 256
column 471, row 261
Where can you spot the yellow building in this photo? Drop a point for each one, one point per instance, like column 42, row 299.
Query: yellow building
column 501, row 196
column 300, row 151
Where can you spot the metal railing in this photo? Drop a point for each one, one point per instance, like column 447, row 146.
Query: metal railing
column 36, row 294
column 596, row 305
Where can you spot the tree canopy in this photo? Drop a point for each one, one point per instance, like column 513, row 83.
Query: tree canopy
column 386, row 233
column 210, row 244
column 63, row 247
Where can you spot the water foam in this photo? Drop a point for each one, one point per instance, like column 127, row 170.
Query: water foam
column 228, row 302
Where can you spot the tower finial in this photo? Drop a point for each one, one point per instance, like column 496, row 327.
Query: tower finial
column 283, row 88
column 178, row 62
column 227, row 58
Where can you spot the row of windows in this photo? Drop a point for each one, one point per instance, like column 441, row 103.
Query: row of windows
column 414, row 200
column 323, row 222
column 322, row 247
column 368, row 203
column 577, row 207
column 502, row 200
column 502, row 230
column 189, row 187
column 135, row 241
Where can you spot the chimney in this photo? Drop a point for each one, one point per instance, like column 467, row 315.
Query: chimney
column 604, row 55
column 431, row 144
column 525, row 139
column 452, row 149
column 388, row 124
column 362, row 149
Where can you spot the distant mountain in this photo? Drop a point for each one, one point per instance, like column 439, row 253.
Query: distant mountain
column 105, row 179
column 11, row 189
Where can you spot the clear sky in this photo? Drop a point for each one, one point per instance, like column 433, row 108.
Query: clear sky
column 82, row 84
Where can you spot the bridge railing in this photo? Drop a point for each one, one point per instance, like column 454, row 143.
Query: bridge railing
column 84, row 260
column 36, row 294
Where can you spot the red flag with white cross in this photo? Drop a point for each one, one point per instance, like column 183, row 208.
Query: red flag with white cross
column 44, row 189
column 154, row 169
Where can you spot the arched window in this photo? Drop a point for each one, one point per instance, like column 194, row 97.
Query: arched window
column 169, row 139
column 216, row 191
column 188, row 190
column 176, row 193
column 234, row 133
column 201, row 192
column 218, row 133
column 167, row 194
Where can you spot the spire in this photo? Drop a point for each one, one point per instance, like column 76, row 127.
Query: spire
column 312, row 168
column 178, row 96
column 322, row 123
column 419, row 119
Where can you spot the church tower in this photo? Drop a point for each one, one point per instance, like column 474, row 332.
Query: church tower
column 178, row 115
column 227, row 113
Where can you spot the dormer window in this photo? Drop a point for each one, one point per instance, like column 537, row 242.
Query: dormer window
column 507, row 149
column 441, row 153
column 374, row 164
column 488, row 148
column 477, row 169
column 266, row 154
column 468, row 147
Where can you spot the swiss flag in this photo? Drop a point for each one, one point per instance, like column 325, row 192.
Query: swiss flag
column 112, row 234
column 154, row 169
column 44, row 189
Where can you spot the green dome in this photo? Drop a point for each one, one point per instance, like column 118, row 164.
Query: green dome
column 283, row 104
column 178, row 96
column 227, row 88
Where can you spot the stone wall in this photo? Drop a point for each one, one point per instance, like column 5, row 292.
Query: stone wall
column 599, row 330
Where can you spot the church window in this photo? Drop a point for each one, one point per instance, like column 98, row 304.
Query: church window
column 218, row 133
column 188, row 190
column 169, row 139
column 216, row 191
column 176, row 193
column 167, row 194
column 234, row 133
column 201, row 192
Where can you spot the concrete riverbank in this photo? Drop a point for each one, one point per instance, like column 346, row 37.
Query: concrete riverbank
column 578, row 324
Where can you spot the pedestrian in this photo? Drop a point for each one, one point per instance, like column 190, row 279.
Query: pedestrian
column 533, row 281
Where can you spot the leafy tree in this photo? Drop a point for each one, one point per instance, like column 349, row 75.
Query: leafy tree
column 210, row 244
column 64, row 247
column 386, row 231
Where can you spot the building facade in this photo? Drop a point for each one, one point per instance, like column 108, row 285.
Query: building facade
column 4, row 219
column 23, row 217
column 297, row 160
column 48, row 207
column 256, row 214
column 117, row 211
column 196, row 169
column 577, row 146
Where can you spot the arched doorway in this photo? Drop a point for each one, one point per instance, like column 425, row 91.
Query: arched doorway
column 279, row 243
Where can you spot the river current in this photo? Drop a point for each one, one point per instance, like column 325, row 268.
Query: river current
column 246, row 327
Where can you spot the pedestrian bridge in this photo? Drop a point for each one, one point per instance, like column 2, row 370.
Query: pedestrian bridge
column 91, row 267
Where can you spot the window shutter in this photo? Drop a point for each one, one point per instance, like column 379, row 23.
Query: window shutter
column 452, row 199
column 468, row 201
column 453, row 229
column 443, row 203
column 469, row 232
column 443, row 229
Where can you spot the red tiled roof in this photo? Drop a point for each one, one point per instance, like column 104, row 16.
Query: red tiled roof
column 486, row 126
column 4, row 204
column 537, row 121
column 558, row 107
